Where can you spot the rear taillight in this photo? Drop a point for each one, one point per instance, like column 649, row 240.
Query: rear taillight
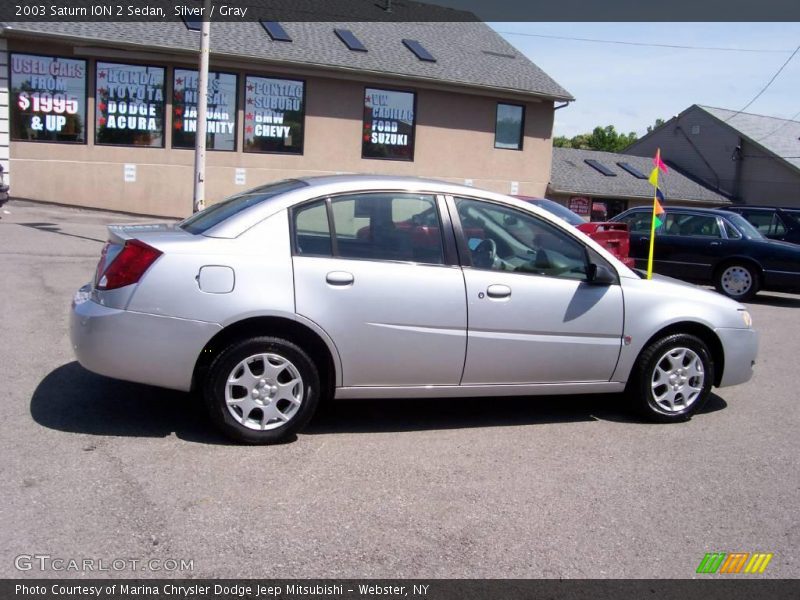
column 128, row 266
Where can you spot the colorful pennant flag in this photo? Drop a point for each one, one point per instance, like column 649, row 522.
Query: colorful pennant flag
column 658, row 210
column 653, row 179
column 660, row 163
column 658, row 214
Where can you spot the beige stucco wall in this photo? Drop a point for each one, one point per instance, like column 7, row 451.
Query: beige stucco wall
column 454, row 141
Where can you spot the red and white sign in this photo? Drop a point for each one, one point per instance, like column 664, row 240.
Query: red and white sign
column 579, row 205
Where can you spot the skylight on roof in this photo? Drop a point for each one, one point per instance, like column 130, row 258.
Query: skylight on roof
column 600, row 167
column 276, row 31
column 632, row 170
column 499, row 54
column 193, row 23
column 419, row 50
column 350, row 40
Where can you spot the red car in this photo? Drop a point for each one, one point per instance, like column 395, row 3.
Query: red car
column 608, row 234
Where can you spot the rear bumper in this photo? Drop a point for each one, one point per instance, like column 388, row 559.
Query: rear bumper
column 740, row 347
column 144, row 348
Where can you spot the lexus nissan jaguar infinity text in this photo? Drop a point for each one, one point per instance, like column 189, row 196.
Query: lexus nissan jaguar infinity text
column 388, row 287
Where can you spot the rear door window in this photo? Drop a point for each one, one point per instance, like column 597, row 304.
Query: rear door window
column 388, row 226
column 312, row 235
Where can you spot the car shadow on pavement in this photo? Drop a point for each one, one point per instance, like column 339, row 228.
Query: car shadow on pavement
column 53, row 228
column 396, row 415
column 773, row 300
column 72, row 399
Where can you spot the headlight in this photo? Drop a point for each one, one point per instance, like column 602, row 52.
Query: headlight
column 748, row 320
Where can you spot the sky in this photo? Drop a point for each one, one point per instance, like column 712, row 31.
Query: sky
column 631, row 86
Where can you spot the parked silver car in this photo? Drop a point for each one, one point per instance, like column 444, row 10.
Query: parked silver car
column 381, row 287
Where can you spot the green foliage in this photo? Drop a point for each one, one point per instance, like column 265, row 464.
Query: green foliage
column 656, row 125
column 605, row 138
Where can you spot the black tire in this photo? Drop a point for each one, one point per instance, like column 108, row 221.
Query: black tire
column 649, row 398
column 288, row 364
column 737, row 280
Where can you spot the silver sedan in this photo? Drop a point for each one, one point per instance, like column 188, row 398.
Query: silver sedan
column 386, row 287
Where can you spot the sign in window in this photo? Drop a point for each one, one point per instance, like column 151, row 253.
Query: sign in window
column 220, row 114
column 389, row 120
column 129, row 105
column 48, row 99
column 274, row 115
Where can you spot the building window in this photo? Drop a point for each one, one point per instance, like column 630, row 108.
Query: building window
column 509, row 126
column 48, row 99
column 389, row 120
column 220, row 116
column 129, row 105
column 274, row 115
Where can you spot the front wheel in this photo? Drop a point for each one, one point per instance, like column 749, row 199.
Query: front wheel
column 672, row 378
column 261, row 390
column 737, row 280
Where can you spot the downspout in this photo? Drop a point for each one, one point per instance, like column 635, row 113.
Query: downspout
column 738, row 158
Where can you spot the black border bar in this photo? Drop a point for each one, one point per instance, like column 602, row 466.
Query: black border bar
column 402, row 10
column 708, row 588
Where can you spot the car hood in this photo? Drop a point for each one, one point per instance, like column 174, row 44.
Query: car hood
column 661, row 288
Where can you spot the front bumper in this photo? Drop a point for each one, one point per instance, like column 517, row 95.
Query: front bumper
column 144, row 348
column 740, row 347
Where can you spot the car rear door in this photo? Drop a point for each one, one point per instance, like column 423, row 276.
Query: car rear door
column 533, row 318
column 372, row 270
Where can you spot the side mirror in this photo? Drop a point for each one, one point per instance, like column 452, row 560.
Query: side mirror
column 600, row 275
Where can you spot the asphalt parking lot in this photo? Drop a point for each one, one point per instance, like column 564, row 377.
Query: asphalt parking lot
column 501, row 488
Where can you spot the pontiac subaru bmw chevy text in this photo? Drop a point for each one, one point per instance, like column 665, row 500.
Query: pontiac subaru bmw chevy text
column 379, row 287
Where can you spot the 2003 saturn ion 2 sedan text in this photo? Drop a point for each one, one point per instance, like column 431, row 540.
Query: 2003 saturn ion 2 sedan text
column 366, row 286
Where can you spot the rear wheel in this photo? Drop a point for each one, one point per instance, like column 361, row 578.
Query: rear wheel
column 672, row 379
column 261, row 390
column 737, row 280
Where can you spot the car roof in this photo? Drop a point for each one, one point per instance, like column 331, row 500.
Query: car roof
column 751, row 207
column 329, row 185
column 690, row 209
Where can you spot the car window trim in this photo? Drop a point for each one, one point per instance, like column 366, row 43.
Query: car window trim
column 449, row 256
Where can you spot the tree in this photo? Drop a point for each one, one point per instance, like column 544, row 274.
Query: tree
column 605, row 138
column 656, row 125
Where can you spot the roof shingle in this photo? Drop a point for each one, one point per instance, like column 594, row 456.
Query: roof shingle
column 571, row 174
column 467, row 53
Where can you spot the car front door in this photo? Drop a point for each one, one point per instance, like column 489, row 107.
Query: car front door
column 370, row 270
column 533, row 317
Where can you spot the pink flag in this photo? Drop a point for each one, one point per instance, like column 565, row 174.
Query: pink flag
column 659, row 163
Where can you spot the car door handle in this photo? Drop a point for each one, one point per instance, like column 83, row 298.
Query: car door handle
column 715, row 243
column 339, row 278
column 498, row 291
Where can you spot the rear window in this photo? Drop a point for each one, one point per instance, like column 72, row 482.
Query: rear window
column 201, row 222
column 745, row 226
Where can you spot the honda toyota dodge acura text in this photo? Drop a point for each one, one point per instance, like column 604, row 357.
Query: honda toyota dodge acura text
column 366, row 286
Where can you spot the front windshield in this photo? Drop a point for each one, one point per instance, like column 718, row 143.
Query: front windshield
column 559, row 210
column 743, row 225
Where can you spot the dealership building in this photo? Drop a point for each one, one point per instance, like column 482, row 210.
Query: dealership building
column 104, row 114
